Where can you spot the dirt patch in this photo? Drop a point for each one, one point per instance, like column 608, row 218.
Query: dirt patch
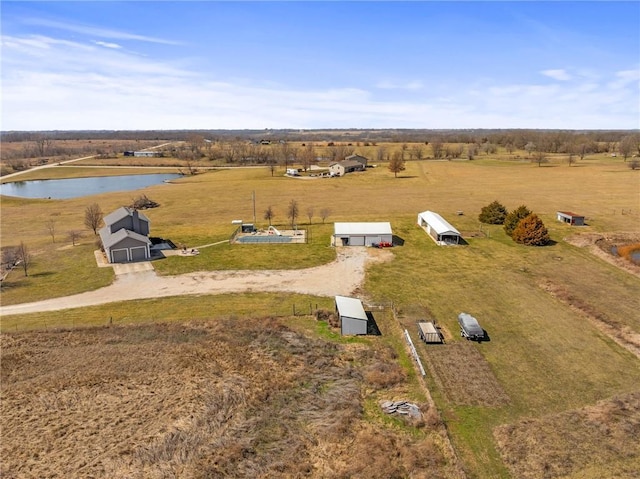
column 465, row 375
column 341, row 277
column 600, row 245
column 225, row 398
column 596, row 441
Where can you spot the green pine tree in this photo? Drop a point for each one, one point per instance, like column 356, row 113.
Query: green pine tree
column 493, row 214
column 514, row 217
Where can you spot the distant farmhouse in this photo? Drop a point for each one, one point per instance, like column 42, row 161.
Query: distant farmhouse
column 142, row 154
column 125, row 236
column 348, row 165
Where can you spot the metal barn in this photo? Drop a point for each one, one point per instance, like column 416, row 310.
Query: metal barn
column 362, row 234
column 353, row 318
column 438, row 228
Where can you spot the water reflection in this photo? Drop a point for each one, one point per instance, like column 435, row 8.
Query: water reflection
column 78, row 187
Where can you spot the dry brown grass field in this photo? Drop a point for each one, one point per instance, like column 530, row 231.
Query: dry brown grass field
column 223, row 398
column 562, row 321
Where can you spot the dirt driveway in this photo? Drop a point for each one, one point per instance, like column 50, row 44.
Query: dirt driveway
column 341, row 277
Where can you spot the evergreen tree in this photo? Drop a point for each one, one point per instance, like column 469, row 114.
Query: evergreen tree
column 493, row 214
column 531, row 231
column 514, row 217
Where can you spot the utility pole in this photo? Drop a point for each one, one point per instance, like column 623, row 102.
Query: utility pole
column 253, row 195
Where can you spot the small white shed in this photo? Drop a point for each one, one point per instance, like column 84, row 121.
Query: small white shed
column 353, row 318
column 438, row 228
column 362, row 234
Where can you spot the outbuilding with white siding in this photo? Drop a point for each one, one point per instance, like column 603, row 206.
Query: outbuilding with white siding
column 362, row 234
column 438, row 228
column 353, row 318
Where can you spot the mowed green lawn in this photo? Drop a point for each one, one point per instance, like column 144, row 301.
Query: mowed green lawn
column 547, row 356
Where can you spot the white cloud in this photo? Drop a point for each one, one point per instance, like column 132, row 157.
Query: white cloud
column 560, row 75
column 49, row 83
column 389, row 85
column 97, row 31
column 108, row 45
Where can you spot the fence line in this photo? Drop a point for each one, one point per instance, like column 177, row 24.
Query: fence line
column 414, row 352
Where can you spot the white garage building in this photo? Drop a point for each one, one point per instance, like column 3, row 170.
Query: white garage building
column 362, row 234
column 438, row 228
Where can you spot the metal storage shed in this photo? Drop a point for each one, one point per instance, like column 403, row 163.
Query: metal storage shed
column 438, row 228
column 570, row 218
column 353, row 318
column 362, row 234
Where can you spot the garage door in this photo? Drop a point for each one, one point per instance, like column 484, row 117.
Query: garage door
column 356, row 240
column 372, row 239
column 119, row 256
column 139, row 253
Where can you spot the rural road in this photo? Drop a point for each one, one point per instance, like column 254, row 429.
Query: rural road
column 341, row 277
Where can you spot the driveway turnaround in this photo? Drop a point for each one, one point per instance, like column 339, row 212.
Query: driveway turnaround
column 341, row 277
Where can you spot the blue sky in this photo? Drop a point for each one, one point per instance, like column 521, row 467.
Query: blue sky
column 254, row 65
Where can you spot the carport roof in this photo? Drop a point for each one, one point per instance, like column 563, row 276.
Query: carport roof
column 438, row 223
column 380, row 228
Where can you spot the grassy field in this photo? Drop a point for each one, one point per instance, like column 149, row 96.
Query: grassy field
column 550, row 357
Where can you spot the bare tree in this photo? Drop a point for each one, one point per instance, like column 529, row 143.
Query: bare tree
column 93, row 217
column 310, row 213
column 627, row 146
column 418, row 152
column 42, row 145
column 293, row 212
column 437, row 148
column 396, row 164
column 539, row 157
column 308, row 156
column 324, row 214
column 51, row 228
column 23, row 257
column 74, row 235
column 269, row 214
column 529, row 147
column 472, row 151
column 272, row 165
column 380, row 152
column 489, row 148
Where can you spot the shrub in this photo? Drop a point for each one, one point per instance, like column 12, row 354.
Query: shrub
column 493, row 214
column 514, row 217
column 531, row 231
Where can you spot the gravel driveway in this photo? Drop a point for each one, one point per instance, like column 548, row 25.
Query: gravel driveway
column 341, row 277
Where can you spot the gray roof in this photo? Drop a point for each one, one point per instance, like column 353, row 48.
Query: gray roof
column 122, row 212
column 111, row 239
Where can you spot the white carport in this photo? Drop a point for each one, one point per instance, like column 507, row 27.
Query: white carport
column 353, row 318
column 438, row 228
column 362, row 234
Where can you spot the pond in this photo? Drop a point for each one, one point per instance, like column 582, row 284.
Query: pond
column 77, row 187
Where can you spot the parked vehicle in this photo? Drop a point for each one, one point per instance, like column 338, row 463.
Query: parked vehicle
column 470, row 328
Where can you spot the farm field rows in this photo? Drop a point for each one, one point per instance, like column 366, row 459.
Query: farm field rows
column 562, row 323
